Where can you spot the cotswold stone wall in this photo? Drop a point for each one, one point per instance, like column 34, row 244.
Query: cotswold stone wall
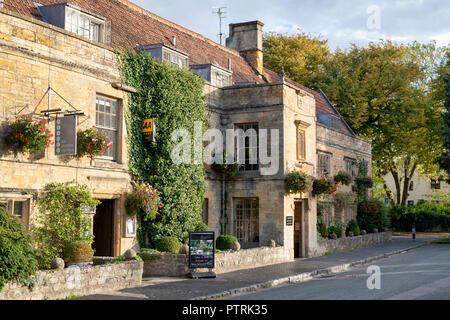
column 74, row 281
column 177, row 265
column 350, row 243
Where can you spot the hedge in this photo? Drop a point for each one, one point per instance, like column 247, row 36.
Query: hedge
column 426, row 215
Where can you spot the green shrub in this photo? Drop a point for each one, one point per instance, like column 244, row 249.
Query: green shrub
column 17, row 257
column 322, row 228
column 353, row 227
column 168, row 244
column 372, row 212
column 371, row 227
column 426, row 215
column 61, row 219
column 225, row 241
column 336, row 230
column 78, row 251
column 201, row 226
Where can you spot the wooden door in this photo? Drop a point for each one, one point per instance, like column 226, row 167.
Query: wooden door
column 298, row 230
column 104, row 229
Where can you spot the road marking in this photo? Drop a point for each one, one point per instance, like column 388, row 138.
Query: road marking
column 423, row 290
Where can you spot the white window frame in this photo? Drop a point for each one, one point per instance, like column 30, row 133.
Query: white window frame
column 174, row 59
column 93, row 24
column 112, row 129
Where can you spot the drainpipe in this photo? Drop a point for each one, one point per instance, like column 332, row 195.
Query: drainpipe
column 223, row 208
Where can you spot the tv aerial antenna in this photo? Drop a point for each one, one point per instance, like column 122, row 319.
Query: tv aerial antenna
column 221, row 13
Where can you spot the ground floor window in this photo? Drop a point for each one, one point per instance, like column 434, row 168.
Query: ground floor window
column 18, row 207
column 246, row 221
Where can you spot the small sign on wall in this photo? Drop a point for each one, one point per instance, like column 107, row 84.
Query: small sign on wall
column 130, row 227
column 148, row 130
column 289, row 220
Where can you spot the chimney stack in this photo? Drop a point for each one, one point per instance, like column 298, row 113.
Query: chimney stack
column 246, row 38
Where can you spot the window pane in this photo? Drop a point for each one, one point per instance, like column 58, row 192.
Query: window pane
column 18, row 209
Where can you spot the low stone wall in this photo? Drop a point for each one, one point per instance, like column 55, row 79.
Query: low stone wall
column 177, row 265
column 350, row 243
column 76, row 281
column 166, row 265
column 228, row 261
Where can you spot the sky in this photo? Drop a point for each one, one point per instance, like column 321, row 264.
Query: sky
column 341, row 22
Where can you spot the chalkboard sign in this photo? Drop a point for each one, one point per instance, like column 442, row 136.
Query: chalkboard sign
column 66, row 135
column 201, row 249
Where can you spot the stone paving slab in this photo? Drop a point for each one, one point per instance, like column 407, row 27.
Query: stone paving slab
column 262, row 277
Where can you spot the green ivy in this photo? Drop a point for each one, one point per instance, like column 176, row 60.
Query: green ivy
column 174, row 97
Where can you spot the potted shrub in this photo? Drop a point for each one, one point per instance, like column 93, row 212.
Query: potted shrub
column 298, row 182
column 92, row 143
column 79, row 251
column 343, row 178
column 168, row 244
column 324, row 185
column 28, row 135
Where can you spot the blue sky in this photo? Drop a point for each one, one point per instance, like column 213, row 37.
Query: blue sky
column 340, row 21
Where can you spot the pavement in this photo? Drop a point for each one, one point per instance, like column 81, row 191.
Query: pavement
column 250, row 280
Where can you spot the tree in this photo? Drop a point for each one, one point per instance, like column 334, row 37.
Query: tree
column 302, row 56
column 444, row 158
column 388, row 93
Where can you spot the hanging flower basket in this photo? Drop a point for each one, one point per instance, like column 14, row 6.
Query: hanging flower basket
column 298, row 182
column 342, row 177
column 143, row 202
column 92, row 143
column 324, row 185
column 28, row 135
column 229, row 170
column 365, row 182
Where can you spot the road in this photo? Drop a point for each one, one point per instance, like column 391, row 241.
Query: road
column 423, row 274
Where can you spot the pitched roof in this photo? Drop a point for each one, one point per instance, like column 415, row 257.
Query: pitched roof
column 133, row 25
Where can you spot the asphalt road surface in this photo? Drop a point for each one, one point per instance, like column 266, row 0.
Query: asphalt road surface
column 423, row 274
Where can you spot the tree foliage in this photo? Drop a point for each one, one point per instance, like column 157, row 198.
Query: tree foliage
column 174, row 97
column 303, row 56
column 444, row 158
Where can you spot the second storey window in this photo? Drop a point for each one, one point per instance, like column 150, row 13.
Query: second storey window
column 323, row 164
column 247, row 147
column 84, row 25
column 350, row 167
column 435, row 184
column 107, row 114
column 300, row 144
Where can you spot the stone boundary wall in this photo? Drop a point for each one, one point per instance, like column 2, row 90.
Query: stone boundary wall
column 177, row 265
column 350, row 243
column 76, row 281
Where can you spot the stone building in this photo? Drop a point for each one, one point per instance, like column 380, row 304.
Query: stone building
column 71, row 45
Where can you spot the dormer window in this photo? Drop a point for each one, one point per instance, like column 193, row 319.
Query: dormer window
column 170, row 55
column 335, row 122
column 330, row 120
column 215, row 75
column 74, row 19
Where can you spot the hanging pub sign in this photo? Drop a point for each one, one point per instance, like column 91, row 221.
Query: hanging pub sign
column 148, row 130
column 201, row 249
column 66, row 135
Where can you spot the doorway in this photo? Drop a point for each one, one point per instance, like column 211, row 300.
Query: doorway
column 298, row 230
column 104, row 229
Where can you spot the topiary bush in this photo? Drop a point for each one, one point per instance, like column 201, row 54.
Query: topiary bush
column 78, row 251
column 17, row 257
column 168, row 244
column 353, row 227
column 225, row 241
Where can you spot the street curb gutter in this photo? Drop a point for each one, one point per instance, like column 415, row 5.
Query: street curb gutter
column 306, row 276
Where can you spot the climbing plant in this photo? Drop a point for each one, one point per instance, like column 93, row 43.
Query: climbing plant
column 174, row 97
